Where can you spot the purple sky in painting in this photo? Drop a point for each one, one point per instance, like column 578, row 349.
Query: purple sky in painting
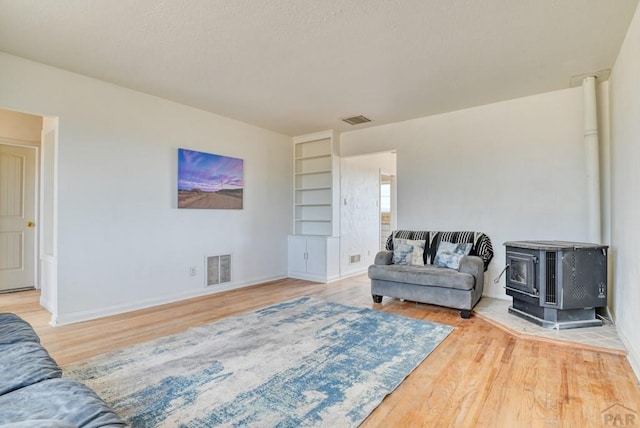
column 208, row 172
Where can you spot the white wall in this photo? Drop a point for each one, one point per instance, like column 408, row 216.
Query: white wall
column 514, row 170
column 360, row 209
column 122, row 243
column 625, row 176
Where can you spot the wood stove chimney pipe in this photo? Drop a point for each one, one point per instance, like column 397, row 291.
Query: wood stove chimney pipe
column 592, row 159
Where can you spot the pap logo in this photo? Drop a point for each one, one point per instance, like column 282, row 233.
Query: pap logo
column 618, row 415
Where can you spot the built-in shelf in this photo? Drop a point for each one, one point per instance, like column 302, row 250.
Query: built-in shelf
column 316, row 178
column 323, row 155
column 305, row 189
column 321, row 171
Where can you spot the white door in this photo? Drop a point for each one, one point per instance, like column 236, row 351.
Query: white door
column 17, row 217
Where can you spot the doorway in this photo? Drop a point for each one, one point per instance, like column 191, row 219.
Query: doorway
column 387, row 207
column 360, row 213
column 28, row 205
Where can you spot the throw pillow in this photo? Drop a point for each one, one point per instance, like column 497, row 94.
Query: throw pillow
column 450, row 254
column 408, row 252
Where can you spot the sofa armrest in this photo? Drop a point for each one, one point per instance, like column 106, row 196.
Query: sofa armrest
column 384, row 258
column 474, row 266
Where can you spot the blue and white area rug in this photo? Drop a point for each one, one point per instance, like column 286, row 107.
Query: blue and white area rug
column 305, row 362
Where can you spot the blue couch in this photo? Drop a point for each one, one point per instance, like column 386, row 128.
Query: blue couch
column 32, row 391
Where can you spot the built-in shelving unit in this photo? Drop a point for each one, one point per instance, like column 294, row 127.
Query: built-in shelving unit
column 314, row 245
column 315, row 178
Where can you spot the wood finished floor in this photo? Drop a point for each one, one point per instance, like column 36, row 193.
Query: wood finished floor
column 479, row 376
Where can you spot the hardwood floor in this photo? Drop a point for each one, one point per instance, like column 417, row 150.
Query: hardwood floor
column 480, row 375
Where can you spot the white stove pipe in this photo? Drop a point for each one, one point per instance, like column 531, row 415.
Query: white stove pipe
column 592, row 160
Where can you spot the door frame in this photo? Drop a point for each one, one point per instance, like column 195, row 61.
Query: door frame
column 36, row 236
column 393, row 223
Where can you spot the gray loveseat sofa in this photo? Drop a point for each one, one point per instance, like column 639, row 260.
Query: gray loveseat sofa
column 32, row 392
column 455, row 288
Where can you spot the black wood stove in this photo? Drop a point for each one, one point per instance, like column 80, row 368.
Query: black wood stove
column 557, row 284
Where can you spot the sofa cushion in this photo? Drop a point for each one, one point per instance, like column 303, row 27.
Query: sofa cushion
column 481, row 243
column 66, row 400
column 23, row 364
column 423, row 275
column 449, row 254
column 408, row 252
column 14, row 329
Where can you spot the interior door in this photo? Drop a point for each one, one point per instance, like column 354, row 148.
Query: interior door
column 17, row 217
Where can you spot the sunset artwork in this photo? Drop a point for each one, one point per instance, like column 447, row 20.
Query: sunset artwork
column 209, row 181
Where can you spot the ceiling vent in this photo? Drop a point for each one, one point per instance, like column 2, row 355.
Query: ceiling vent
column 356, row 120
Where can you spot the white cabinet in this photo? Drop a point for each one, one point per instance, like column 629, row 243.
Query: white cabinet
column 314, row 258
column 316, row 184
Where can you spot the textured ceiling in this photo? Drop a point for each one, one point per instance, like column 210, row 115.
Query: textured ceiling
column 296, row 66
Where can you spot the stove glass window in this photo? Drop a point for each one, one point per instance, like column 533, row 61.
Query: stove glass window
column 518, row 272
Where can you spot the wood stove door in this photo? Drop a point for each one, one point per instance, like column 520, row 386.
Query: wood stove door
column 521, row 273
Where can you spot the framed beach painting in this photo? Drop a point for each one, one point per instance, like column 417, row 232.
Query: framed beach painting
column 209, row 181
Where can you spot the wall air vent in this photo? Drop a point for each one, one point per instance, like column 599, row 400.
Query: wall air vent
column 218, row 269
column 356, row 120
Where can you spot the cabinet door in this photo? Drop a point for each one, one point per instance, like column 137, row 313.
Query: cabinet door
column 297, row 255
column 316, row 256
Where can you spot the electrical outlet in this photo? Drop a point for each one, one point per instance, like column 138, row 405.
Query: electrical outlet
column 193, row 271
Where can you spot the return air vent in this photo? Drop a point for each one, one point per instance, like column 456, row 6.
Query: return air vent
column 354, row 258
column 356, row 120
column 218, row 269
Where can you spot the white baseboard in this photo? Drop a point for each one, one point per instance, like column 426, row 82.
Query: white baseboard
column 75, row 317
column 354, row 272
column 632, row 354
column 333, row 278
column 323, row 279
